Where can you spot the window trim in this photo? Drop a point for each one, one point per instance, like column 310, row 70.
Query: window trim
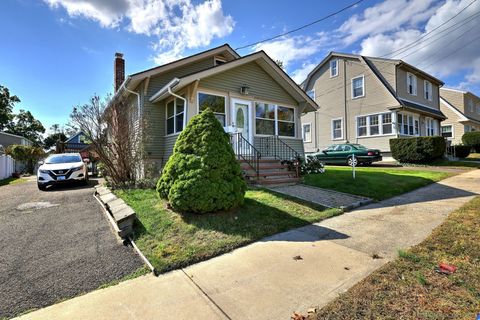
column 213, row 94
column 427, row 84
column 453, row 131
column 303, row 131
column 275, row 120
column 414, row 118
column 414, row 85
column 336, row 68
column 175, row 114
column 427, row 127
column 341, row 128
column 380, row 125
column 363, row 87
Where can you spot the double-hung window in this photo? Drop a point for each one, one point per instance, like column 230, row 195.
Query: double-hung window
column 333, row 68
column 175, row 116
column 214, row 103
column 307, row 132
column 427, row 90
column 447, row 131
column 408, row 125
column 271, row 119
column 374, row 125
column 411, row 84
column 337, row 129
column 358, row 87
column 429, row 127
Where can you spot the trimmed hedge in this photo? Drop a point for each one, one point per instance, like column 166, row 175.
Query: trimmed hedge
column 417, row 149
column 472, row 139
column 203, row 174
column 462, row 151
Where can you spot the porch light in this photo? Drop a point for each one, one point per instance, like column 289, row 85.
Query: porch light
column 244, row 89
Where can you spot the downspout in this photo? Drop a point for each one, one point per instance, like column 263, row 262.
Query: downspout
column 185, row 107
column 140, row 121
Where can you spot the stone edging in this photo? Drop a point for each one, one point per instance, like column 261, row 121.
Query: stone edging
column 122, row 214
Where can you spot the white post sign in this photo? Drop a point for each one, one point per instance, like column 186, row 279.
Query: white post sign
column 353, row 165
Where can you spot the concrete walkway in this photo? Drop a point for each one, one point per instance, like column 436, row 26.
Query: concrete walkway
column 324, row 197
column 264, row 281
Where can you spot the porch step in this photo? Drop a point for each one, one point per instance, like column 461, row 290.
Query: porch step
column 271, row 172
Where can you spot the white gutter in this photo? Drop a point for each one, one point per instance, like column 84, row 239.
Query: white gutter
column 165, row 89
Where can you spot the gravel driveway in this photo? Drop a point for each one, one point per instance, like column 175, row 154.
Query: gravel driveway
column 54, row 245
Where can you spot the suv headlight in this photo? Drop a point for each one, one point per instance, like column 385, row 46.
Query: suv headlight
column 77, row 168
column 43, row 171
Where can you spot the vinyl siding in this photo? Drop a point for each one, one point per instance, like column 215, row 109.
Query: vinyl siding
column 419, row 98
column 453, row 120
column 330, row 96
column 262, row 85
column 387, row 70
column 159, row 81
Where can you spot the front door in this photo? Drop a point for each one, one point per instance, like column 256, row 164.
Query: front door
column 241, row 124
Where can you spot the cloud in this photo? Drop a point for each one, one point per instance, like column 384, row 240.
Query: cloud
column 301, row 73
column 174, row 25
column 294, row 49
column 447, row 51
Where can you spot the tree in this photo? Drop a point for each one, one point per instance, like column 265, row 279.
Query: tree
column 51, row 139
column 112, row 130
column 25, row 125
column 280, row 64
column 203, row 174
column 27, row 154
column 6, row 107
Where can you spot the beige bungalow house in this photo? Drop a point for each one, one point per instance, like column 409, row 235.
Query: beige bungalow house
column 251, row 96
column 463, row 111
column 369, row 101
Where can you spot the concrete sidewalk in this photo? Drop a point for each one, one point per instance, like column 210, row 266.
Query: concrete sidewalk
column 264, row 281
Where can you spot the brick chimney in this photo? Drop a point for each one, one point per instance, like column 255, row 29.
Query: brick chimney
column 118, row 70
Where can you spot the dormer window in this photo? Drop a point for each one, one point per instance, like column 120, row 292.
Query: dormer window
column 333, row 68
column 411, row 84
column 427, row 92
column 218, row 61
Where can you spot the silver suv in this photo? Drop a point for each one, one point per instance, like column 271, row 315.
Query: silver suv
column 61, row 168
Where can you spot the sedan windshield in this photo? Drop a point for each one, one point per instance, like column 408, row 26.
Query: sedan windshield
column 62, row 158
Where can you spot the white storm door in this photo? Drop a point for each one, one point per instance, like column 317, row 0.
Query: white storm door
column 241, row 123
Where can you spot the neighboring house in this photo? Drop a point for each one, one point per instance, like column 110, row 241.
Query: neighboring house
column 463, row 111
column 76, row 143
column 7, row 139
column 369, row 101
column 249, row 95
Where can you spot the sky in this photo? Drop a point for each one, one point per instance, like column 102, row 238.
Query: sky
column 56, row 54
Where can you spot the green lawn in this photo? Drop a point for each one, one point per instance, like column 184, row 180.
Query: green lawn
column 373, row 182
column 171, row 240
column 8, row 181
column 461, row 163
column 409, row 287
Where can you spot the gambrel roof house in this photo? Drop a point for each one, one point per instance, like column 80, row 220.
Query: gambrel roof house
column 251, row 96
column 369, row 100
column 463, row 111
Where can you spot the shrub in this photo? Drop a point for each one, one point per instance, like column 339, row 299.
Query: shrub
column 460, row 151
column 203, row 174
column 472, row 139
column 311, row 165
column 27, row 154
column 418, row 149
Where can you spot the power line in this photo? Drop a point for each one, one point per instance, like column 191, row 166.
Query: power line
column 303, row 26
column 423, row 36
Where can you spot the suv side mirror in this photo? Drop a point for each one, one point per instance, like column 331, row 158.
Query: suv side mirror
column 86, row 160
column 40, row 162
column 325, row 151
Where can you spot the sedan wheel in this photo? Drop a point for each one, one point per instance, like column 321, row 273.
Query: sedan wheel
column 352, row 162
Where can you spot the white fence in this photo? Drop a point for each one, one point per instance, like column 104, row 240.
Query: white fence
column 7, row 166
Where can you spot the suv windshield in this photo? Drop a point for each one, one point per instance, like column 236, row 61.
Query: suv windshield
column 62, row 158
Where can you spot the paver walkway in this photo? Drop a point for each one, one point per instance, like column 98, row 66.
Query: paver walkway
column 263, row 281
column 323, row 197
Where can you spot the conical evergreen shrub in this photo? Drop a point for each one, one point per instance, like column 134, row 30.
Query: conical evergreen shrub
column 202, row 175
